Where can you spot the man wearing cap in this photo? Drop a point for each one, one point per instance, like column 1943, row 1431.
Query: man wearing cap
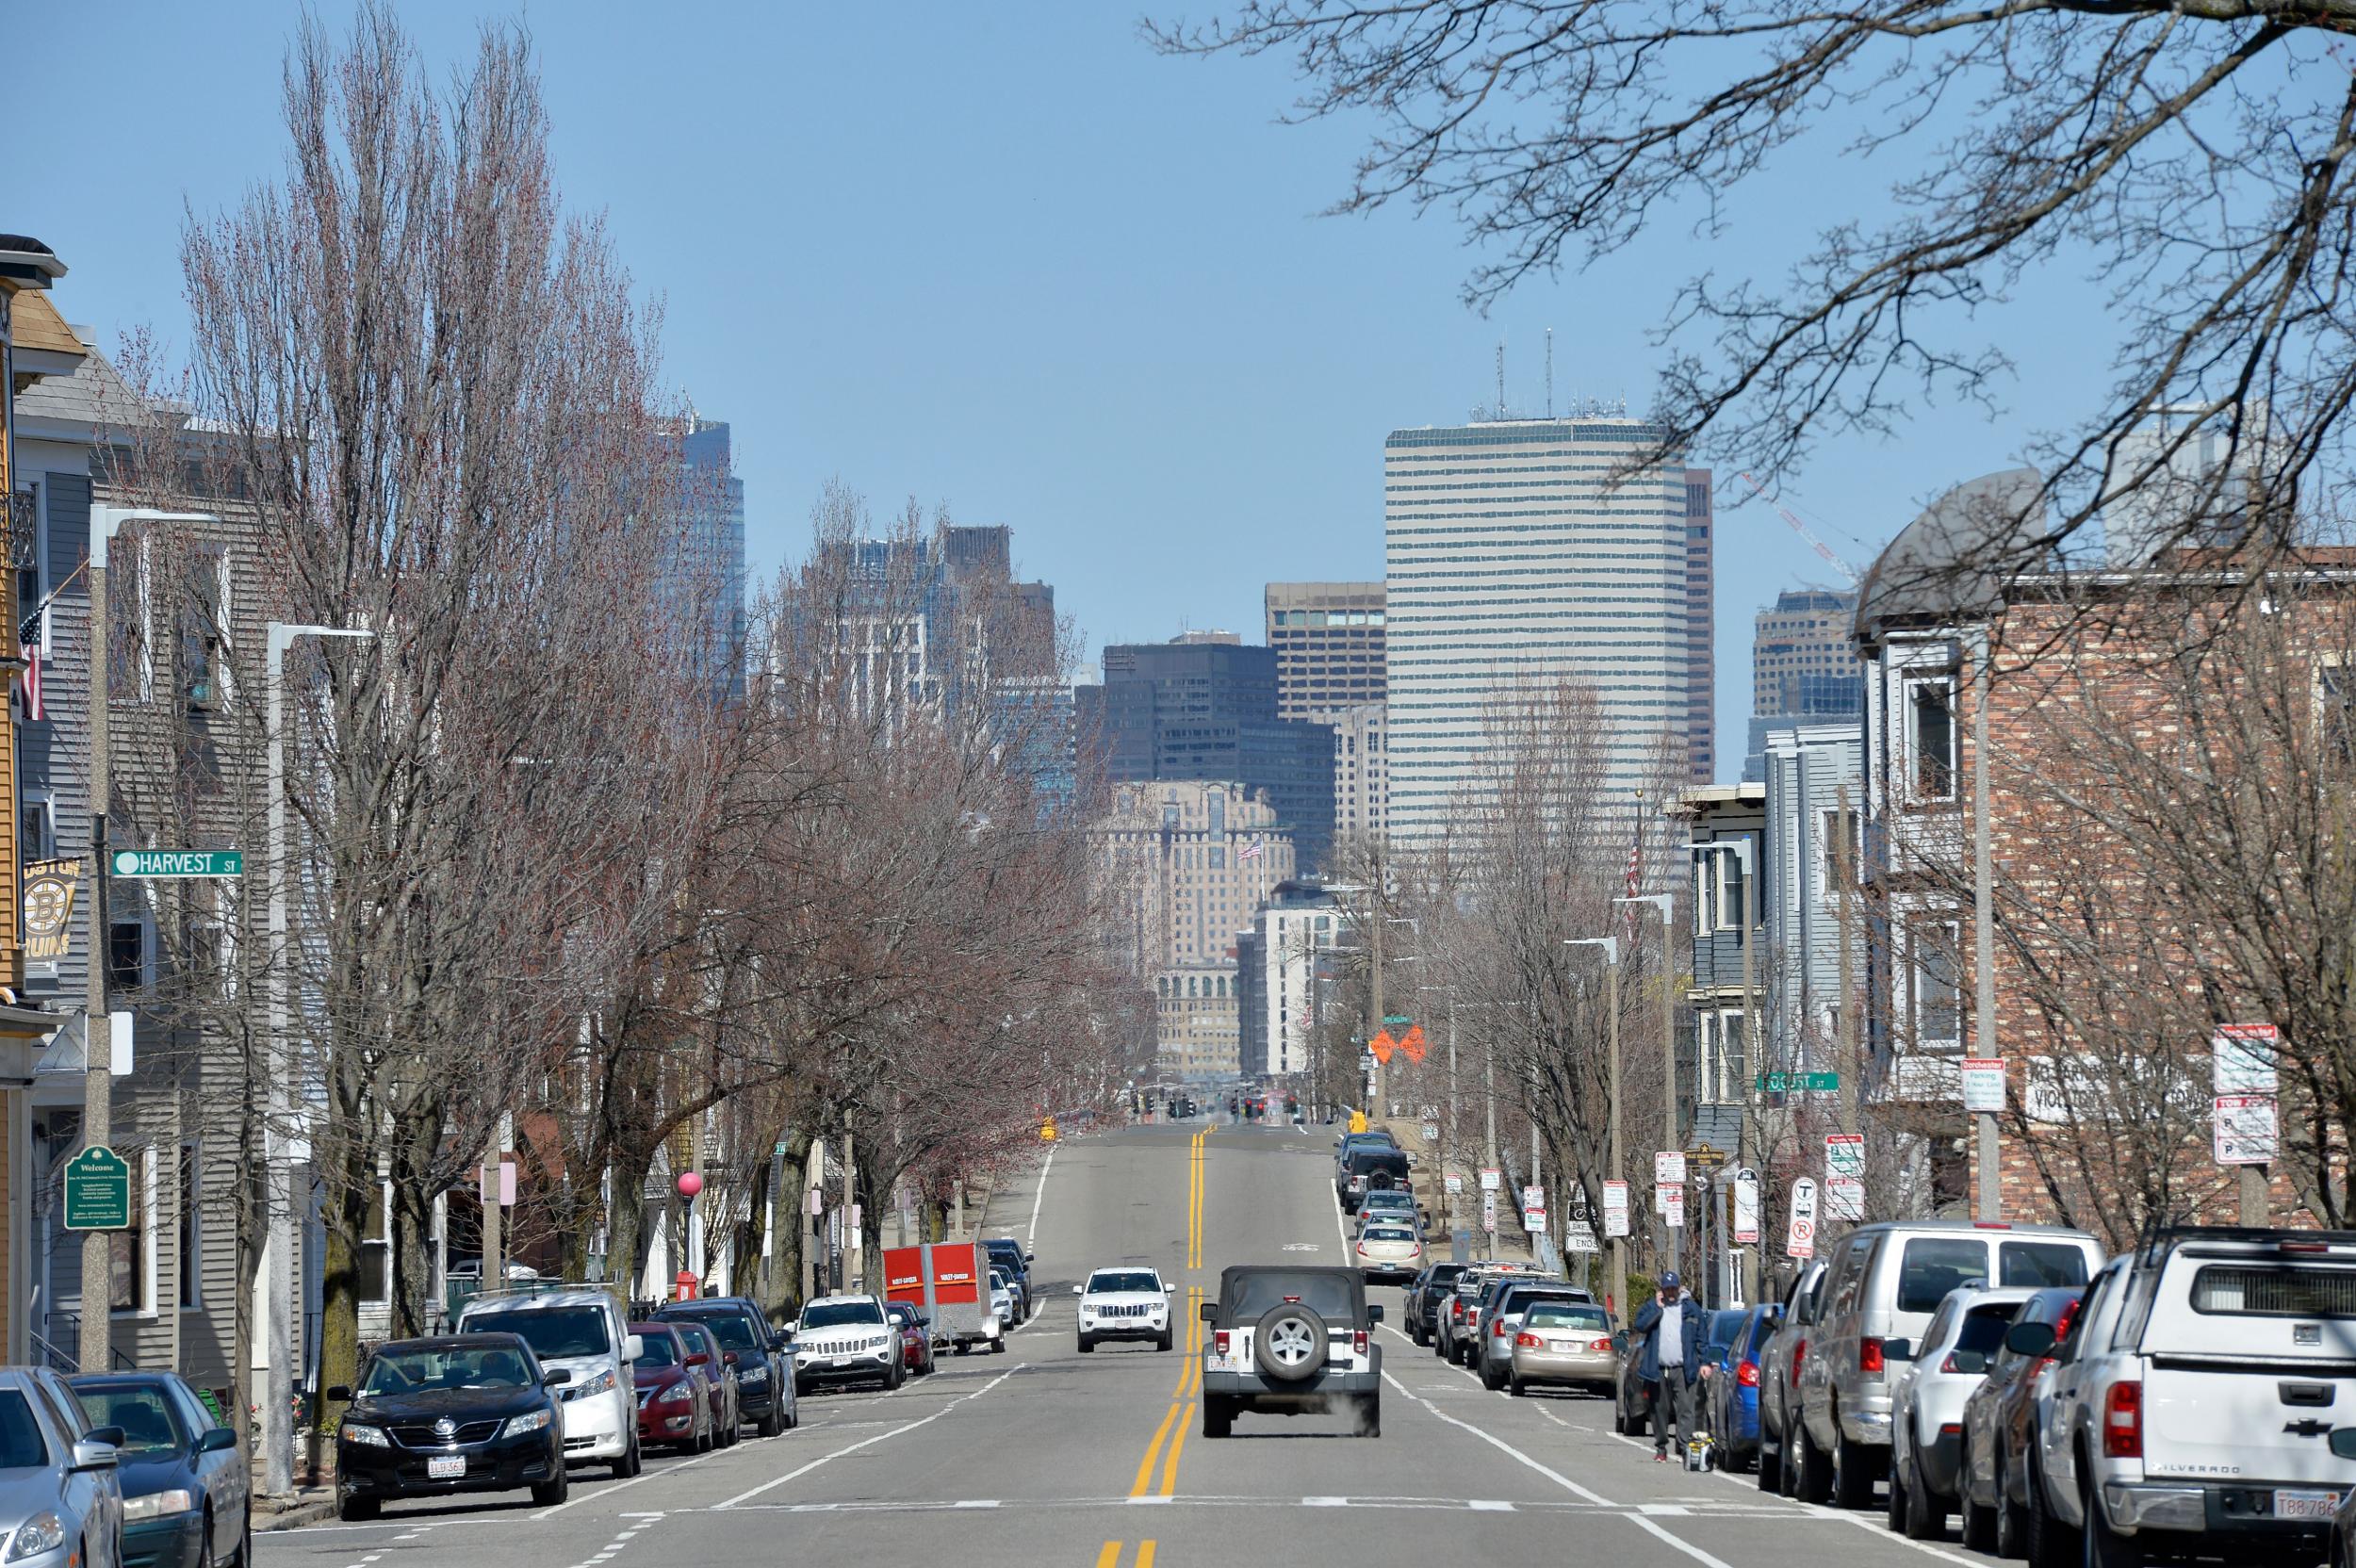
column 1671, row 1329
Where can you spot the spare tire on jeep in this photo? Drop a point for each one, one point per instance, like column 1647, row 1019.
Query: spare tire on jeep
column 1288, row 1342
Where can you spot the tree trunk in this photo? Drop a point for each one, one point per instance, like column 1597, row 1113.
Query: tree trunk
column 413, row 1226
column 343, row 1212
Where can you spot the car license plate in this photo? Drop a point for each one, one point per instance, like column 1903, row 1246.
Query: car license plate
column 444, row 1467
column 2305, row 1504
column 841, row 1361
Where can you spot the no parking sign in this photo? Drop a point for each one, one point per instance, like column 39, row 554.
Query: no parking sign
column 1800, row 1240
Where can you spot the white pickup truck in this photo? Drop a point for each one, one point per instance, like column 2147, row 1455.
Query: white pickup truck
column 2191, row 1406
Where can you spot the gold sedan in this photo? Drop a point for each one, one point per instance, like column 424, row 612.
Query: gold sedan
column 1567, row 1343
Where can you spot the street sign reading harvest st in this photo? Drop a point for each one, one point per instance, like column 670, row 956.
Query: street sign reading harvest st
column 157, row 864
column 97, row 1191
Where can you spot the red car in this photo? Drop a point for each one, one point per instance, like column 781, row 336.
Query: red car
column 703, row 1350
column 916, row 1337
column 674, row 1398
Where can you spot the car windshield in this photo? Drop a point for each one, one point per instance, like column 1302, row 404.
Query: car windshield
column 698, row 1340
column 1115, row 1279
column 830, row 1314
column 21, row 1447
column 1935, row 1266
column 552, row 1332
column 396, row 1372
column 1724, row 1326
column 1566, row 1314
column 1326, row 1295
column 730, row 1329
column 1389, row 1233
column 656, row 1350
column 148, row 1421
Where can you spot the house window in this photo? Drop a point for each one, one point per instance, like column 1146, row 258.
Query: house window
column 126, row 954
column 376, row 1249
column 1837, row 850
column 1938, row 1016
column 131, row 1285
column 2336, row 711
column 202, row 627
column 1734, row 890
column 1932, row 719
column 37, row 828
column 192, row 1238
column 1723, row 1057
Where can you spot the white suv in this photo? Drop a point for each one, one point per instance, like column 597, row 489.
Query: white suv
column 1123, row 1303
column 2192, row 1403
column 845, row 1339
column 581, row 1329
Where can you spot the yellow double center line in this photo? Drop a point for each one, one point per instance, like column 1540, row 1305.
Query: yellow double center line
column 1110, row 1555
column 1179, row 1418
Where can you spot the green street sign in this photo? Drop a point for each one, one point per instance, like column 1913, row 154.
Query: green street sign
column 1396, row 1019
column 1798, row 1083
column 164, row 863
column 97, row 1191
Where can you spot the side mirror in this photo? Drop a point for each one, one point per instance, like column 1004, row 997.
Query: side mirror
column 1079, row 1290
column 2029, row 1339
column 96, row 1451
column 634, row 1347
column 1374, row 1315
column 1030, row 1257
column 556, row 1376
column 1209, row 1311
column 699, row 1359
column 729, row 1358
column 2343, row 1441
column 213, row 1440
column 777, row 1342
column 340, row 1394
column 1898, row 1350
column 1975, row 1361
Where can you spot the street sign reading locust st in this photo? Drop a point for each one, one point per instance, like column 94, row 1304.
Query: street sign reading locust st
column 97, row 1191
column 160, row 863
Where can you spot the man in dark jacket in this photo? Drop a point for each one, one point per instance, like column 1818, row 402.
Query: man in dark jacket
column 1670, row 1327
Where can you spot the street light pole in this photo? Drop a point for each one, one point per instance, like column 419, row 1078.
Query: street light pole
column 97, row 1338
column 1668, row 1045
column 278, row 1183
column 1610, row 946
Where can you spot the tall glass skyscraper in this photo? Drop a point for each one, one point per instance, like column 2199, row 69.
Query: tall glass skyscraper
column 705, row 581
column 1510, row 553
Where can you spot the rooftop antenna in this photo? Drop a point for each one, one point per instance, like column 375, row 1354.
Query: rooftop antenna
column 1550, row 372
column 1500, row 378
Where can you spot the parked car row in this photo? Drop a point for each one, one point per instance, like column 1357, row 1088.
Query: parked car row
column 103, row 1470
column 2195, row 1396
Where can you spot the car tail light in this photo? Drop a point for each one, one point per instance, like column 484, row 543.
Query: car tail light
column 1869, row 1357
column 2122, row 1421
column 1951, row 1429
column 1361, row 1248
column 1218, row 1341
column 1992, row 1225
column 1745, row 1375
column 1599, row 1345
column 1497, row 1329
column 1529, row 1342
column 1358, row 1342
column 1799, row 1359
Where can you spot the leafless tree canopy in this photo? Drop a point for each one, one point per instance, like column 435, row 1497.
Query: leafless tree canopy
column 2191, row 157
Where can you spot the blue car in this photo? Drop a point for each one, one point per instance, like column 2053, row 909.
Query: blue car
column 1732, row 1391
column 185, row 1486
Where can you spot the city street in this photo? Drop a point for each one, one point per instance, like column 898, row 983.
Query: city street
column 1039, row 1454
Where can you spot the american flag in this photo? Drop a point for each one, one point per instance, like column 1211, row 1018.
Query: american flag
column 1253, row 850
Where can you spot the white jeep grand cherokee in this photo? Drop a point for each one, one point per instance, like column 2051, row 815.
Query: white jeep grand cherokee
column 1123, row 1303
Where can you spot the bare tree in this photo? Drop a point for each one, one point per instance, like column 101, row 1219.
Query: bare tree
column 2194, row 157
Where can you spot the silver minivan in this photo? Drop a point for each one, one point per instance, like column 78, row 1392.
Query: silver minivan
column 1882, row 1284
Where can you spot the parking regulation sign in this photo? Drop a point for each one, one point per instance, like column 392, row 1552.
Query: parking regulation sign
column 1800, row 1240
column 1746, row 1210
column 1615, row 1208
column 1668, row 1168
column 2245, row 1129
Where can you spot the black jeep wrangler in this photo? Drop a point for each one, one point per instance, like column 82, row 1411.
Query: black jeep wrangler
column 1291, row 1340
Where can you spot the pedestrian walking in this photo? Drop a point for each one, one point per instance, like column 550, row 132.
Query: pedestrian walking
column 1670, row 1326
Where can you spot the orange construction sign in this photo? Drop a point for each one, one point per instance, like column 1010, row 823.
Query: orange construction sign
column 1412, row 1042
column 1383, row 1045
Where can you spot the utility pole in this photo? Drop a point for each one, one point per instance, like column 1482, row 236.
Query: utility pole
column 1990, row 1205
column 1374, row 1010
column 97, row 1337
column 1618, row 1172
column 1754, row 1058
column 850, row 1202
column 278, row 1258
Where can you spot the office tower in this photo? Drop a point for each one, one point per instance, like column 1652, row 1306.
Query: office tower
column 1803, row 666
column 705, row 581
column 1516, row 550
column 1203, row 707
column 1328, row 638
column 1361, row 771
column 2177, row 481
column 1701, row 667
column 1184, row 865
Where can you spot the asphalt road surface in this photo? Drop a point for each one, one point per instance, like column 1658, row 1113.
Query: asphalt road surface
column 1042, row 1456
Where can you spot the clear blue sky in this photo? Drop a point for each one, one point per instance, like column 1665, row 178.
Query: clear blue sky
column 1007, row 258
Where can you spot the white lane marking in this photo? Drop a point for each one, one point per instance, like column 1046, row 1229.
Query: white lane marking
column 1325, row 1502
column 1691, row 1550
column 976, row 1502
column 1489, row 1505
column 1031, row 1237
column 871, row 1441
column 643, row 1475
column 1504, row 1447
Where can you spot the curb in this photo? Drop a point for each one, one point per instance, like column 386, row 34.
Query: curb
column 297, row 1516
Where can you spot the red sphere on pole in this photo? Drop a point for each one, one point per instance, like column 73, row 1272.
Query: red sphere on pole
column 689, row 1184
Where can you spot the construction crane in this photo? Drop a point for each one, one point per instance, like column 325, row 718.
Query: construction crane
column 1848, row 573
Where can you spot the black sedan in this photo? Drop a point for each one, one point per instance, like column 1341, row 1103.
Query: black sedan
column 184, row 1488
column 465, row 1413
